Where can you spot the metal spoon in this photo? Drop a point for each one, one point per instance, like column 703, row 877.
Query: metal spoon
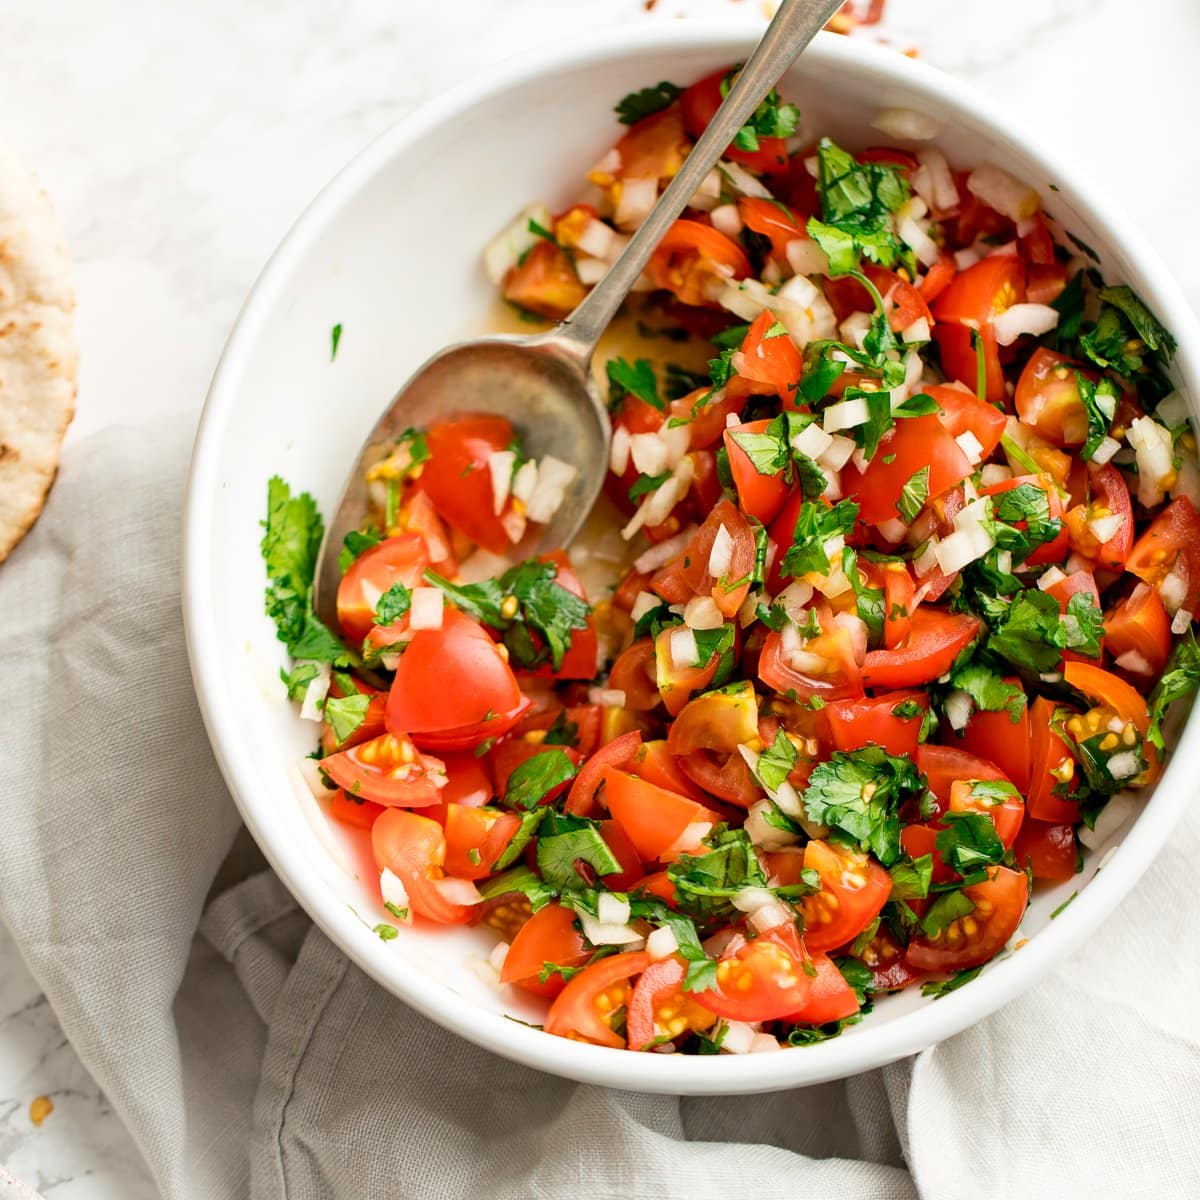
column 543, row 384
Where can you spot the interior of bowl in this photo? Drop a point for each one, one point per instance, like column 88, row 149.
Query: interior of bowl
column 391, row 252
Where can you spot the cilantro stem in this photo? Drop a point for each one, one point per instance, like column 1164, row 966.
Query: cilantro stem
column 981, row 373
column 1019, row 456
column 392, row 505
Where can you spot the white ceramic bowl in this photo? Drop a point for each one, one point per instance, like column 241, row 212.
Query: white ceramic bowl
column 390, row 250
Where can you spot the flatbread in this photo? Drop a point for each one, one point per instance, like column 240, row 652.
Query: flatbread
column 38, row 354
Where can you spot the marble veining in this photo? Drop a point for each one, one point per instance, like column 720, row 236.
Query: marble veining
column 180, row 139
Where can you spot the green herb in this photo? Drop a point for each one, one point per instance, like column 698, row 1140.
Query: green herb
column 705, row 884
column 815, row 524
column 1100, row 403
column 811, row 1035
column 913, row 495
column 981, row 366
column 701, row 971
column 645, row 102
column 911, row 878
column 907, row 709
column 1180, row 678
column 564, row 732
column 776, row 762
column 860, row 793
column 944, row 911
column 869, row 601
column 565, row 840
column 988, row 691
column 1018, row 455
column 549, row 970
column 942, row 987
column 298, row 678
column 335, row 336
column 355, row 543
column 771, row 119
column 1148, row 327
column 540, row 231
column 1069, row 305
column 346, row 714
column 1063, row 905
column 1030, row 632
column 731, row 338
column 969, row 841
column 386, row 932
column 531, row 822
column 393, row 604
column 533, row 779
column 633, row 379
column 647, row 483
column 518, row 881
column 401, row 914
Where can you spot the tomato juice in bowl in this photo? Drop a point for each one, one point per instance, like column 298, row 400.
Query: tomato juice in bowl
column 331, row 869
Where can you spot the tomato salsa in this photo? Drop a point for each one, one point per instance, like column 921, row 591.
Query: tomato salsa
column 903, row 589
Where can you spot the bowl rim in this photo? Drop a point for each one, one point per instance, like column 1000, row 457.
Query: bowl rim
column 676, row 1074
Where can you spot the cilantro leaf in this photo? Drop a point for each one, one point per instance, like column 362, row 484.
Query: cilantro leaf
column 346, row 713
column 645, row 484
column 533, row 779
column 911, row 878
column 645, row 102
column 298, row 678
column 356, row 543
column 969, row 841
column 913, row 495
column 393, row 604
column 731, row 338
column 1030, row 632
column 1148, row 327
column 1180, row 679
column 531, row 822
column 705, row 884
column 988, row 691
column 1100, row 404
column 938, row 988
column 776, row 762
column 564, row 732
column 565, row 840
column 944, row 911
column 701, row 972
column 635, row 379
column 335, row 338
column 815, row 524
column 520, row 881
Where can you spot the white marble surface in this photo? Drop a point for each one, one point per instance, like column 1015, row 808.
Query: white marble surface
column 179, row 140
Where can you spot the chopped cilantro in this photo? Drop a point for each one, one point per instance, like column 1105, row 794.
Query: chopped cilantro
column 355, row 543
column 776, row 762
column 1147, row 326
column 531, row 822
column 1063, row 905
column 1180, row 679
column 1030, row 632
column 401, row 914
column 1100, row 403
column 385, row 931
column 645, row 102
column 645, row 484
column 635, row 379
column 942, row 987
column 911, row 877
column 335, row 337
column 701, row 971
column 346, row 713
column 519, row 880
column 533, row 779
column 944, row 911
column 567, row 840
column 913, row 495
column 298, row 678
column 393, row 604
column 564, row 732
column 988, row 691
column 815, row 524
column 969, row 841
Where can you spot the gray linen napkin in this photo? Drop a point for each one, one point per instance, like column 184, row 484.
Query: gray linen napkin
column 254, row 1060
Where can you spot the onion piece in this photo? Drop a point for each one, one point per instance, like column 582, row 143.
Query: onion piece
column 742, row 181
column 846, row 414
column 1155, row 455
column 393, row 891
column 805, row 257
column 457, row 891
column 505, row 249
column 317, row 690
column 906, row 125
column 1181, row 620
column 637, row 198
column 720, row 557
column 1104, row 452
column 969, row 444
column 428, row 608
column 726, row 219
column 1109, row 821
column 500, row 464
column 1021, row 319
column 957, row 707
column 1008, row 195
column 701, row 612
column 936, row 184
column 684, row 650
column 661, row 944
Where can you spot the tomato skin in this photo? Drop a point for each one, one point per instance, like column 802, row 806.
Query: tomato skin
column 413, row 848
column 625, row 852
column 485, row 831
column 450, row 679
column 856, row 723
column 1006, row 816
column 842, row 679
column 1105, row 688
column 399, row 559
column 1106, row 495
column 545, row 282
column 773, row 220
column 943, row 766
column 661, row 987
column 698, row 105
column 761, row 496
column 899, row 594
column 653, row 148
column 1048, row 401
column 676, row 684
column 769, row 361
column 1171, row 543
column 935, row 640
column 581, row 1009
column 653, row 818
column 691, row 261
column 1000, row 904
column 654, row 762
column 830, row 999
column 773, row 964
column 549, row 936
column 467, row 783
column 885, row 956
column 458, row 480
column 467, row 736
column 963, row 412
column 373, row 722
column 388, row 769
column 1139, row 623
column 937, row 279
column 351, row 810
column 1048, row 849
column 996, row 737
column 1048, row 752
column 916, row 442
column 581, row 799
column 696, row 557
column 853, row 890
column 634, row 674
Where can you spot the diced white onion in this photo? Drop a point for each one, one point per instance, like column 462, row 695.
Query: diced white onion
column 525, row 481
column 739, row 1037
column 643, row 603
column 846, row 414
column 750, row 899
column 969, row 444
column 856, row 627
column 812, row 441
column 956, row 551
column 967, row 257
column 726, row 220
column 839, row 453
column 612, row 909
column 937, row 187
column 590, row 270
column 927, row 561
column 708, row 195
column 1155, row 458
column 597, row 239
column 1172, row 411
column 993, row 473
column 1109, row 821
column 1173, row 591
column 794, row 598
column 554, row 477
column 762, row 833
column 656, row 507
column 637, row 198
column 500, row 465
column 649, row 453
column 892, row 531
column 1124, row 765
column 906, row 125
column 392, row 889
column 763, row 1042
column 742, row 181
column 918, row 331
column 1021, row 319
column 1104, row 452
column 690, row 841
column 684, row 651
column 661, row 944
column 958, row 709
column 1131, row 660
column 747, row 614
column 1181, row 621
column 1104, row 529
column 720, row 557
column 662, row 552
column 855, row 328
column 618, row 457
column 457, row 891
column 701, row 612
column 497, row 956
column 310, row 773
column 317, row 690
column 1004, row 192
column 503, row 251
column 805, row 257
column 925, row 248
column 769, row 916
column 428, row 606
column 745, row 299
column 1049, row 577
column 602, row 933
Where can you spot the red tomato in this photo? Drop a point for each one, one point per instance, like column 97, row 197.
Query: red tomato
column 1054, row 550
column 581, row 799
column 705, row 421
column 912, row 444
column 467, row 783
column 705, row 737
column 476, row 838
column 1048, row 849
column 974, row 298
column 1109, row 691
column 943, row 766
column 389, row 770
column 454, row 682
column 653, row 148
column 585, row 1007
column 457, row 477
column 918, row 840
column 963, row 412
column 935, row 640
column 579, row 662
column 885, row 956
column 1052, row 774
column 974, row 939
column 1172, row 543
column 545, row 282
column 1048, row 398
column 654, row 762
column 732, row 586
column 352, row 810
column 830, row 999
column 899, row 593
column 769, row 360
column 857, row 723
column 654, row 818
column 829, row 668
column 772, row 219
column 400, row 559
column 853, row 889
column 693, row 261
column 660, row 1009
column 760, row 496
column 761, row 980
column 1106, row 496
column 1140, row 625
column 995, row 736
column 1007, row 812
column 937, row 279
column 699, row 103
column 549, row 936
column 626, row 853
column 372, row 723
column 634, row 674
column 1037, row 246
column 1044, row 284
column 413, row 848
column 676, row 684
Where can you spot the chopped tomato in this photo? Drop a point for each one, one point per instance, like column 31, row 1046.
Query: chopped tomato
column 660, row 1010
column 999, row 904
column 654, row 147
column 654, row 818
column 1049, row 850
column 937, row 279
column 654, row 762
column 934, row 641
column 579, row 662
column 413, row 848
column 943, row 766
column 963, row 412
column 372, row 724
column 885, row 956
column 401, row 559
column 1109, row 691
column 761, row 980
column 729, row 586
column 695, row 261
column 1054, row 550
column 760, row 495
column 548, row 938
column 771, row 219
column 626, row 853
column 1139, row 625
column 458, row 479
column 355, row 811
column 1000, row 738
column 1106, row 500
column 768, row 359
column 1052, row 771
column 581, row 799
column 830, row 999
column 1171, row 546
column 1048, row 399
column 899, row 596
column 1006, row 809
column 705, row 738
column 853, row 889
column 677, row 683
column 634, row 674
column 585, row 1008
column 892, row 721
column 699, row 104
column 476, row 838
column 389, row 770
column 545, row 282
column 825, row 666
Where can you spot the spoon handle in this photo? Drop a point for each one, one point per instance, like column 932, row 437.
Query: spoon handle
column 795, row 25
